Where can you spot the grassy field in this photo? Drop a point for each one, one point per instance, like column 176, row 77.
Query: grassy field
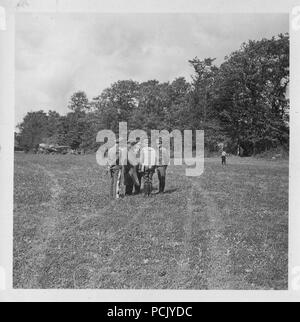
column 227, row 229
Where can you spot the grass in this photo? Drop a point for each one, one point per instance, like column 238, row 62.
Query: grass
column 227, row 229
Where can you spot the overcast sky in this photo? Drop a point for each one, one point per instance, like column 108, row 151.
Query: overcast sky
column 57, row 55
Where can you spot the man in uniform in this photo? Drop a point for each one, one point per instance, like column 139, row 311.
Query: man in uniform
column 115, row 169
column 130, row 169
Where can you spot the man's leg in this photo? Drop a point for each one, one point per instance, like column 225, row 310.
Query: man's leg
column 160, row 178
column 129, row 189
column 114, row 177
column 137, row 188
column 151, row 173
column 162, row 171
column 146, row 182
column 128, row 182
column 119, row 183
column 164, row 176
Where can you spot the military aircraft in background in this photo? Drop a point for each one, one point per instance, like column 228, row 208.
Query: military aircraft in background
column 53, row 149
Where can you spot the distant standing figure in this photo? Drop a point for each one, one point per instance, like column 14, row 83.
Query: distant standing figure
column 224, row 156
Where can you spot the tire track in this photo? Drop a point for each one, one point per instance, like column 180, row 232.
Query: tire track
column 218, row 275
column 216, row 250
column 183, row 264
column 105, row 265
column 46, row 231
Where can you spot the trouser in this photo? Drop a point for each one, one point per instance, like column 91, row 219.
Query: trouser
column 128, row 182
column 131, row 178
column 148, row 176
column 115, row 181
column 137, row 187
column 223, row 160
column 162, row 172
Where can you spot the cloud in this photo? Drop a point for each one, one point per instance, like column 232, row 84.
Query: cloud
column 57, row 55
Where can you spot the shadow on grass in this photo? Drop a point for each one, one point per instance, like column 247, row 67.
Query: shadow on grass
column 170, row 191
column 154, row 192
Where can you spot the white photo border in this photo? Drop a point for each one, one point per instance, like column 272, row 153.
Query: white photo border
column 7, row 106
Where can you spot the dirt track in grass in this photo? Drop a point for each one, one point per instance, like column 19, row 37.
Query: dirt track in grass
column 227, row 229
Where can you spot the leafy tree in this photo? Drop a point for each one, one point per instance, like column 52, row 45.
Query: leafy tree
column 54, row 120
column 153, row 103
column 93, row 124
column 33, row 129
column 117, row 103
column 250, row 94
column 202, row 113
column 203, row 85
column 177, row 109
column 79, row 102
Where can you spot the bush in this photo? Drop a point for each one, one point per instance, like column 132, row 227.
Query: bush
column 279, row 153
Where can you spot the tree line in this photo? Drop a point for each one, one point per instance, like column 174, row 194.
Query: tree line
column 242, row 103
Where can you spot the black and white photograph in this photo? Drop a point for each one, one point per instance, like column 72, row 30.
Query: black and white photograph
column 151, row 150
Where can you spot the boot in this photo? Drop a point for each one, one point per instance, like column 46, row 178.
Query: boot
column 150, row 189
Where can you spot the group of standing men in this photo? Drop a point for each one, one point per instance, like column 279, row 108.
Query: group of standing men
column 128, row 167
